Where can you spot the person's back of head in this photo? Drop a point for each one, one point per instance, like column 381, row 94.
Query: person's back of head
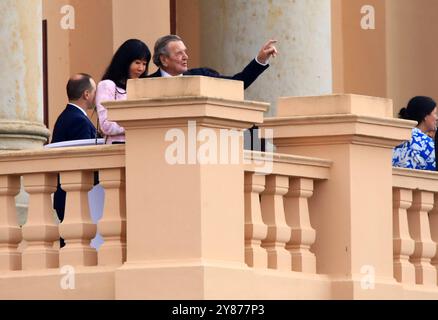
column 126, row 54
column 417, row 109
column 81, row 90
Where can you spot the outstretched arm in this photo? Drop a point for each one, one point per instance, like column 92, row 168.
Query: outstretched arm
column 256, row 67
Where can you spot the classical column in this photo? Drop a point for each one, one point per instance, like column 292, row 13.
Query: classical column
column 232, row 33
column 21, row 92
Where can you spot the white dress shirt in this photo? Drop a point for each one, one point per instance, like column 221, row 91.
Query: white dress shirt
column 83, row 111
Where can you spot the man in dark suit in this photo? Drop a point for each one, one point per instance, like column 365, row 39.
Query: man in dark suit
column 171, row 58
column 74, row 124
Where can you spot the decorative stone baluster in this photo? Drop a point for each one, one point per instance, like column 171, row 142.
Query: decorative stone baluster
column 77, row 229
column 255, row 229
column 298, row 218
column 40, row 230
column 404, row 246
column 279, row 233
column 433, row 219
column 419, row 228
column 10, row 232
column 112, row 226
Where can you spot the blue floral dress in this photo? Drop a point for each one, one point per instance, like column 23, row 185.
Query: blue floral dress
column 418, row 153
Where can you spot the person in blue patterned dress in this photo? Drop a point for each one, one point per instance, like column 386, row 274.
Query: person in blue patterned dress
column 419, row 152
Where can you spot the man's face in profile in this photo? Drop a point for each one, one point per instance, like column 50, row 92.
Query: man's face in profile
column 176, row 62
column 90, row 95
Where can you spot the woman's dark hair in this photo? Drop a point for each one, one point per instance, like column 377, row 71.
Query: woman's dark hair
column 129, row 51
column 418, row 108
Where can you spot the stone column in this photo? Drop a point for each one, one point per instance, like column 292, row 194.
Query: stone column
column 232, row 33
column 21, row 92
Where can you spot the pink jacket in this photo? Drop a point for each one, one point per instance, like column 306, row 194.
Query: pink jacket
column 107, row 91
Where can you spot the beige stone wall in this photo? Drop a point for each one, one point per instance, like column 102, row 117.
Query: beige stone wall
column 59, row 57
column 86, row 48
column 359, row 56
column 145, row 20
column 396, row 60
column 412, row 50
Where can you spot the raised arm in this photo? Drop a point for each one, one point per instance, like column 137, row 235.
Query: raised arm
column 250, row 73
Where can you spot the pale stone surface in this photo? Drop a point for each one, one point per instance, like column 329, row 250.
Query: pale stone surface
column 190, row 86
column 334, row 104
column 21, row 93
column 232, row 33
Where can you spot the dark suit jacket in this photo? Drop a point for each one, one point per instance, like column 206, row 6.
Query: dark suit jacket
column 247, row 75
column 72, row 124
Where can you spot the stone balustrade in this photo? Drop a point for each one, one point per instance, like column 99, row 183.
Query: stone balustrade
column 415, row 226
column 189, row 214
column 278, row 232
column 41, row 231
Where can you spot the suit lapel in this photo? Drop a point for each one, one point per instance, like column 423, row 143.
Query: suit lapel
column 156, row 74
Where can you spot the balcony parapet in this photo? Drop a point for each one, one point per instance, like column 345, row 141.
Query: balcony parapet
column 357, row 133
column 325, row 217
column 38, row 260
column 278, row 232
column 415, row 225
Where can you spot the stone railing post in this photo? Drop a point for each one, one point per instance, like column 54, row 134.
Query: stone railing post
column 404, row 245
column 354, row 243
column 112, row 226
column 298, row 218
column 40, row 230
column 433, row 220
column 10, row 232
column 425, row 247
column 279, row 233
column 77, row 229
column 184, row 186
column 255, row 229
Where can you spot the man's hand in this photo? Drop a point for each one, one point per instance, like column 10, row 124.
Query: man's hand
column 268, row 50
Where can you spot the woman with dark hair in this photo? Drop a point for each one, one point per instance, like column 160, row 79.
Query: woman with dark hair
column 131, row 61
column 419, row 152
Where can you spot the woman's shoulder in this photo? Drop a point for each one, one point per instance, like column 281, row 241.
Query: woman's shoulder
column 109, row 84
column 417, row 133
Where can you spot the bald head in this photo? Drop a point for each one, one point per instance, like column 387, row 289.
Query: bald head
column 77, row 85
column 81, row 90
